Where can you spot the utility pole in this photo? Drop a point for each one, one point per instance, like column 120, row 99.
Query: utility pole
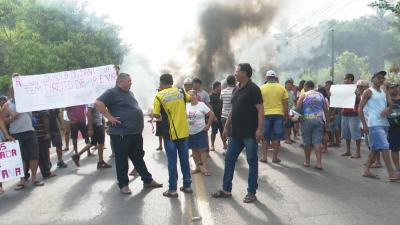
column 333, row 55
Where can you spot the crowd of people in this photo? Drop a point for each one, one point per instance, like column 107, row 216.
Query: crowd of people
column 243, row 113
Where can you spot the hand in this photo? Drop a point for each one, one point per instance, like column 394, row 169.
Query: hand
column 215, row 119
column 259, row 135
column 114, row 121
column 9, row 138
column 225, row 133
column 47, row 136
column 206, row 128
column 385, row 113
column 90, row 132
column 365, row 130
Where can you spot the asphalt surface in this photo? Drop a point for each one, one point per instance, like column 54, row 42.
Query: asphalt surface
column 288, row 194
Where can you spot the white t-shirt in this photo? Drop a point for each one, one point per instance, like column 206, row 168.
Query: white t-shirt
column 196, row 116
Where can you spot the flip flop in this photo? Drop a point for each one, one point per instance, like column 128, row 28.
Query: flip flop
column 19, row 187
column 186, row 190
column 372, row 176
column 393, row 179
column 355, row 157
column 207, row 174
column 170, row 194
column 263, row 161
column 306, row 165
column 196, row 171
column 375, row 166
column 318, row 168
column 277, row 161
column 345, row 154
column 38, row 183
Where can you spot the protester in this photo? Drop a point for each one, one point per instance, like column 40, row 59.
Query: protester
column 55, row 136
column 301, row 88
column 188, row 84
column 22, row 130
column 351, row 124
column 42, row 129
column 325, row 138
column 169, row 103
column 66, row 127
column 97, row 133
column 77, row 121
column 379, row 105
column 197, row 112
column 247, row 122
column 202, row 94
column 226, row 97
column 314, row 108
column 120, row 107
column 216, row 106
column 275, row 101
column 394, row 121
column 291, row 102
column 4, row 136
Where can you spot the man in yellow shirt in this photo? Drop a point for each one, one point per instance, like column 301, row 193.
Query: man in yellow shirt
column 275, row 98
column 170, row 104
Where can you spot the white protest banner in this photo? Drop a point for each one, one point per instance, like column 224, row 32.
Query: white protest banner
column 63, row 89
column 11, row 166
column 343, row 96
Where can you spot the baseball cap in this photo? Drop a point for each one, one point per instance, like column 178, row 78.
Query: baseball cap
column 270, row 73
column 363, row 83
column 383, row 73
column 187, row 81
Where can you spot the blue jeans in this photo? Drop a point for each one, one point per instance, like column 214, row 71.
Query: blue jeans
column 235, row 147
column 173, row 148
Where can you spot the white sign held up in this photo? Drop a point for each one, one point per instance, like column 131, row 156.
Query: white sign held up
column 63, row 89
column 343, row 96
column 11, row 166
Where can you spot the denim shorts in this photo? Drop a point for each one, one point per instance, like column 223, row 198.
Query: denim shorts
column 199, row 141
column 335, row 125
column 351, row 128
column 378, row 138
column 312, row 131
column 274, row 128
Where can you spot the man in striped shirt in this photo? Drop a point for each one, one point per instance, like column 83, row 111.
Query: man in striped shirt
column 226, row 97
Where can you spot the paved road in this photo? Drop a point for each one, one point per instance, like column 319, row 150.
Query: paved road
column 288, row 194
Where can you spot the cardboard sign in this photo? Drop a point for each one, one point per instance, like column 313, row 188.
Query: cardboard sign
column 11, row 165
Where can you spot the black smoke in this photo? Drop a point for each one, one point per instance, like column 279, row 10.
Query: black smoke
column 219, row 24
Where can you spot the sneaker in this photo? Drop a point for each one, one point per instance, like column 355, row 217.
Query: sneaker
column 103, row 165
column 75, row 158
column 61, row 164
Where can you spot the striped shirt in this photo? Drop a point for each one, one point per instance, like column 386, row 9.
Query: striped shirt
column 226, row 97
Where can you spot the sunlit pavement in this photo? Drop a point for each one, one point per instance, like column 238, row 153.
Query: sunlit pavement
column 288, row 194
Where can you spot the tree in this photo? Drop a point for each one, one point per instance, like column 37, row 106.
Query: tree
column 59, row 36
column 349, row 62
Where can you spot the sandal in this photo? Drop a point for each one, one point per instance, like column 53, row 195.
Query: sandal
column 186, row 190
column 370, row 175
column 206, row 173
column 49, row 176
column 196, row 171
column 306, row 165
column 221, row 194
column 249, row 198
column 19, row 186
column 318, row 168
column 38, row 183
column 134, row 172
column 263, row 161
column 376, row 166
column 276, row 161
column 345, row 154
column 170, row 194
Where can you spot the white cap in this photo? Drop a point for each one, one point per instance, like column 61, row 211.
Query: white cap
column 270, row 73
column 187, row 81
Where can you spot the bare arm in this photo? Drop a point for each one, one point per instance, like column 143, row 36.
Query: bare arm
column 285, row 103
column 326, row 111
column 101, row 107
column 364, row 99
column 260, row 127
column 211, row 117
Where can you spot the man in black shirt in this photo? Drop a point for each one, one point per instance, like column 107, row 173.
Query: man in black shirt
column 216, row 104
column 55, row 135
column 247, row 121
column 120, row 107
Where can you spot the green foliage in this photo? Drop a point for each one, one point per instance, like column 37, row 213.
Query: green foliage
column 349, row 62
column 60, row 35
column 386, row 5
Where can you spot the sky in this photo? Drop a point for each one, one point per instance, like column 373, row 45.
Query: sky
column 160, row 33
column 157, row 29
